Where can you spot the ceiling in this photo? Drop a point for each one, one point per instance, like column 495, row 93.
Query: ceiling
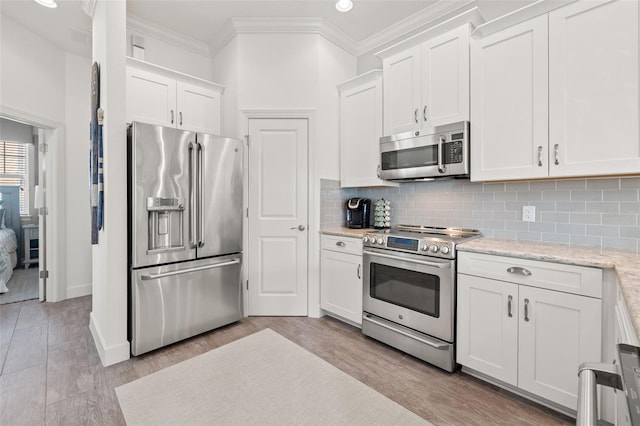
column 203, row 20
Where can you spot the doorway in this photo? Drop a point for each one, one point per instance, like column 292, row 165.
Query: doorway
column 22, row 185
column 278, row 216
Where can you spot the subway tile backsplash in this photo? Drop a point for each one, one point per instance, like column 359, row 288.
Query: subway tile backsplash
column 586, row 212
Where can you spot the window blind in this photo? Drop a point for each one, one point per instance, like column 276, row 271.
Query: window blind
column 14, row 170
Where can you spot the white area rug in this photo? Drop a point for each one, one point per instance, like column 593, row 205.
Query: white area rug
column 261, row 379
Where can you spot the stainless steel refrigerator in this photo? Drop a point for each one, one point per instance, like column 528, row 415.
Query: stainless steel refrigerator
column 185, row 231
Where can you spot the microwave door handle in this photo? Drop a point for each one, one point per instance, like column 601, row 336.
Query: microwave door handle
column 441, row 167
column 420, row 262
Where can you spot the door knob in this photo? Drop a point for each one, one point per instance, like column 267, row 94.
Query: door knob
column 299, row 227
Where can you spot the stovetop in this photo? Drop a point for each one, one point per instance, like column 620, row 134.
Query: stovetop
column 424, row 240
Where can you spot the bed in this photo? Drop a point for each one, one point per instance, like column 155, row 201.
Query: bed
column 9, row 233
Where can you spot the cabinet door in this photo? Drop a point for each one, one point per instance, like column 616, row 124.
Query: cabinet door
column 445, row 78
column 593, row 89
column 487, row 339
column 151, row 98
column 360, row 131
column 509, row 103
column 402, row 92
column 341, row 285
column 199, row 108
column 558, row 332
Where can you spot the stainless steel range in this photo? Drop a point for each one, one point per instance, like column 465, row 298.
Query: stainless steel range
column 410, row 289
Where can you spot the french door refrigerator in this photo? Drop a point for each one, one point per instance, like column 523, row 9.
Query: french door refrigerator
column 185, row 234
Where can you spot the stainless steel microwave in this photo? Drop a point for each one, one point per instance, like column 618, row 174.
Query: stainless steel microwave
column 441, row 151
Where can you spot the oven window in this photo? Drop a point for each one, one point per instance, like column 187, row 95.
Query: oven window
column 409, row 158
column 410, row 289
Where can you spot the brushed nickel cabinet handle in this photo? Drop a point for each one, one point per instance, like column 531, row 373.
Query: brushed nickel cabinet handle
column 509, row 314
column 519, row 271
column 540, row 156
column 340, row 244
column 415, row 115
column 424, row 113
column 359, row 275
column 526, row 310
column 171, row 116
column 556, row 155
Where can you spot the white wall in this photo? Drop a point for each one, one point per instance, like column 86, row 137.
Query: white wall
column 31, row 72
column 109, row 307
column 170, row 55
column 78, row 222
column 278, row 71
column 50, row 88
column 225, row 69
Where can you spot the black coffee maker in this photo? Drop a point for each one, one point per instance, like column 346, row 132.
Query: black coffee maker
column 358, row 212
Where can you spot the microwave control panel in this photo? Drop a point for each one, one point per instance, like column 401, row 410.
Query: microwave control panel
column 453, row 151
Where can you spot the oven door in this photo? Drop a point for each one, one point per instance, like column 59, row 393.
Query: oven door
column 412, row 290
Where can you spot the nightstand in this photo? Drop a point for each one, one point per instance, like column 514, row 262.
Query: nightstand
column 30, row 235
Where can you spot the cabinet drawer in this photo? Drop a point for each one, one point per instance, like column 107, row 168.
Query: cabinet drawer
column 342, row 244
column 580, row 280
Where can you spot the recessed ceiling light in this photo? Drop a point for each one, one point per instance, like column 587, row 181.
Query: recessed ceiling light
column 342, row 5
column 47, row 3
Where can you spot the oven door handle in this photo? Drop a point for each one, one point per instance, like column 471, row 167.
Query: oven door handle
column 446, row 265
column 433, row 343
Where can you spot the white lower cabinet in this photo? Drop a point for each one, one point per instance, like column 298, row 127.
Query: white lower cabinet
column 341, row 277
column 519, row 334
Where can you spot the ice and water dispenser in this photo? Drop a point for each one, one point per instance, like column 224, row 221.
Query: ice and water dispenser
column 165, row 224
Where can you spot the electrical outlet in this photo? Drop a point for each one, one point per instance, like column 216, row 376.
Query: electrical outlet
column 529, row 213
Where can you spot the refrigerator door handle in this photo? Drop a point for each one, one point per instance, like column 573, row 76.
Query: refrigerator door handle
column 200, row 198
column 192, row 196
column 148, row 277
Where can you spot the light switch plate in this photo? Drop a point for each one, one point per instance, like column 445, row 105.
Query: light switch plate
column 529, row 213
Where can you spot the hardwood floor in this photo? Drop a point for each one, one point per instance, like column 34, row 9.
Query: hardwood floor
column 51, row 373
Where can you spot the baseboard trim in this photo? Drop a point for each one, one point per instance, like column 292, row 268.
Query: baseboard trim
column 112, row 354
column 79, row 291
column 539, row 400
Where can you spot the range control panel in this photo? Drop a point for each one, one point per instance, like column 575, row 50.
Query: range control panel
column 423, row 246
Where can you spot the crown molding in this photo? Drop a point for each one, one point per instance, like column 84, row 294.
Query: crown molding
column 317, row 26
column 146, row 28
column 424, row 18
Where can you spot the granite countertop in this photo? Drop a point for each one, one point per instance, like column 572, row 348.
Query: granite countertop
column 347, row 232
column 625, row 263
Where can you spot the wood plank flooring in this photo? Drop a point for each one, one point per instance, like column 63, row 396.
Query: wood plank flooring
column 50, row 372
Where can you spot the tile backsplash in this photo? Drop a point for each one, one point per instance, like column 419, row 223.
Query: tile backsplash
column 585, row 212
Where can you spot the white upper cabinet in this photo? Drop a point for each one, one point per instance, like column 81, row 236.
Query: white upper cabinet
column 557, row 95
column 593, row 88
column 164, row 97
column 445, row 78
column 427, row 84
column 360, row 130
column 509, row 103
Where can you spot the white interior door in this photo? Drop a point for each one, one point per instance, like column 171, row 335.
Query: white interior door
column 277, row 252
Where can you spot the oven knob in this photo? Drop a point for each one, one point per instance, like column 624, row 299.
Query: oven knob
column 380, row 241
column 444, row 250
column 365, row 239
column 434, row 248
column 424, row 247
